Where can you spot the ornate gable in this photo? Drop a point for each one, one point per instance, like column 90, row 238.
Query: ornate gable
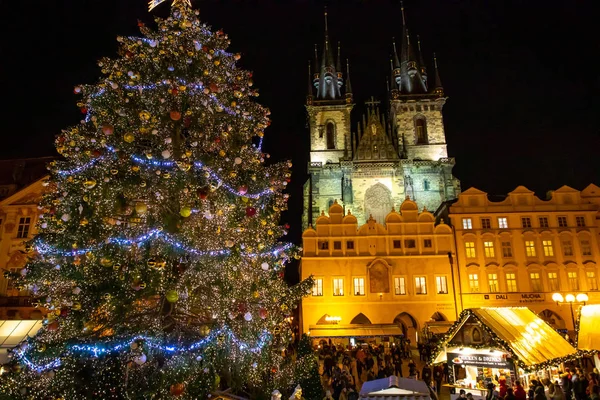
column 375, row 143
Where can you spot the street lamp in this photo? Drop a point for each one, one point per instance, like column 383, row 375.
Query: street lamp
column 570, row 298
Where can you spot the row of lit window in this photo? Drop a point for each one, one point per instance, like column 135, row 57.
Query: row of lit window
column 400, row 289
column 535, row 280
column 22, row 228
column 561, row 221
column 396, row 244
column 530, row 248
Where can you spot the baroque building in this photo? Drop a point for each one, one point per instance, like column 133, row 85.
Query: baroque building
column 376, row 280
column 521, row 250
column 390, row 155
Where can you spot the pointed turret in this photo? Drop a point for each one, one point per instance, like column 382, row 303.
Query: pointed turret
column 394, row 80
column 316, row 69
column 437, row 82
column 330, row 77
column 348, row 93
column 309, row 94
column 410, row 76
column 422, row 67
column 396, row 67
column 338, row 66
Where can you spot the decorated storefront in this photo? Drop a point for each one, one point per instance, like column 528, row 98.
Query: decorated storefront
column 588, row 337
column 499, row 346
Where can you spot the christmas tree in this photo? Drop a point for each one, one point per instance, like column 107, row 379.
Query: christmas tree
column 158, row 258
column 309, row 378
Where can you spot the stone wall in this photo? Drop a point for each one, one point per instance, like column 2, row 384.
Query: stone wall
column 319, row 116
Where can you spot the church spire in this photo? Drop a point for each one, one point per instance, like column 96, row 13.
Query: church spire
column 437, row 82
column 309, row 94
column 348, row 84
column 411, row 81
column 422, row 67
column 330, row 78
column 338, row 65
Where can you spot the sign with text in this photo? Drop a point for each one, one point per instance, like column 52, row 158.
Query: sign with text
column 516, row 297
column 488, row 360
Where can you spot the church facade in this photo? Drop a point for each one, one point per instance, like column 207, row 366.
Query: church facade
column 392, row 153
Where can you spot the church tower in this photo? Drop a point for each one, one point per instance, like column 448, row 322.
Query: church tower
column 416, row 104
column 328, row 103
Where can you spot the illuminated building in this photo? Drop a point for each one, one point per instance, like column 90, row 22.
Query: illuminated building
column 390, row 155
column 520, row 250
column 377, row 279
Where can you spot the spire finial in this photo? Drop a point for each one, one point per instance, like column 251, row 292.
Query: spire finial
column 402, row 9
column 326, row 27
column 437, row 83
column 348, row 85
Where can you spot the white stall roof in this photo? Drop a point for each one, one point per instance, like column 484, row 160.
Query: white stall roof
column 13, row 332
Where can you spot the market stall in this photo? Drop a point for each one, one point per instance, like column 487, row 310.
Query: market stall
column 588, row 336
column 499, row 346
column 394, row 388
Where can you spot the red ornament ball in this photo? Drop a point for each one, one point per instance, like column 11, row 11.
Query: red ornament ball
column 177, row 389
column 214, row 87
column 174, row 91
column 250, row 211
column 262, row 313
column 175, row 115
column 108, row 129
column 203, row 193
column 83, row 110
column 243, row 190
column 96, row 153
column 53, row 326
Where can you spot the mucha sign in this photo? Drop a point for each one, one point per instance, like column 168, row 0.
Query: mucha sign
column 480, row 360
column 516, row 297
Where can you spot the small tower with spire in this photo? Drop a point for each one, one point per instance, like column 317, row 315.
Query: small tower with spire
column 329, row 103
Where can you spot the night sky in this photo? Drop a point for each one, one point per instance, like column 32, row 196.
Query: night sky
column 521, row 76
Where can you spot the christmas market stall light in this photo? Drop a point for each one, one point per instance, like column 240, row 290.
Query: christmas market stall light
column 159, row 261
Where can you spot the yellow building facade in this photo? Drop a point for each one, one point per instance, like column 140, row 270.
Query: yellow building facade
column 377, row 280
column 521, row 250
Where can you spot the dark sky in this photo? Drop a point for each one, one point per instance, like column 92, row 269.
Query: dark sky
column 521, row 76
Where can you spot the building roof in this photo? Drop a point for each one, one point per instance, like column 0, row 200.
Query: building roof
column 17, row 173
column 394, row 388
column 589, row 334
column 520, row 331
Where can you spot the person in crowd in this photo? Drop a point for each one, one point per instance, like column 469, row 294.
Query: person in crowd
column 446, row 372
column 580, row 384
column 567, row 385
column 426, row 374
column 438, row 372
column 503, row 386
column 592, row 381
column 381, row 372
column 328, row 395
column 539, row 393
column 398, row 364
column 469, row 396
column 492, row 393
column 520, row 393
column 412, row 369
column 555, row 392
column 510, row 395
column 595, row 394
column 533, row 384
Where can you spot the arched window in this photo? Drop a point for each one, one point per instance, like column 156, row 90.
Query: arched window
column 421, row 130
column 330, row 136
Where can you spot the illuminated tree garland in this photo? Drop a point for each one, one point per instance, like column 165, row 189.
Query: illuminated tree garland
column 158, row 260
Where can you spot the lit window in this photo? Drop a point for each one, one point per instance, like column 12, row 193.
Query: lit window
column 470, row 249
column 562, row 222
column 410, row 243
column 493, row 282
column 427, row 243
column 543, row 222
column 441, row 284
column 421, row 130
column 467, row 223
column 399, row 285
column 573, row 281
column 567, row 247
column 23, row 229
column 553, row 281
column 350, row 245
column 506, row 249
column 420, row 285
column 592, row 282
column 359, row 286
column 586, row 248
column 548, row 249
column 536, row 282
column 474, row 283
column 338, row 286
column 488, row 247
column 324, row 245
column 330, row 136
column 486, row 223
column 526, row 222
column 397, row 244
column 530, row 248
column 337, row 245
column 511, row 282
column 502, row 223
column 580, row 221
column 317, row 289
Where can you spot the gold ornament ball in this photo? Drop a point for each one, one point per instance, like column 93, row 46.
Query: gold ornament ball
column 89, row 184
column 106, row 262
column 128, row 137
column 185, row 212
column 141, row 208
column 76, row 306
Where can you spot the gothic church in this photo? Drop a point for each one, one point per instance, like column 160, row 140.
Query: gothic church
column 392, row 155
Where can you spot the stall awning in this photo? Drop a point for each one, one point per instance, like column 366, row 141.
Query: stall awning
column 13, row 332
column 354, row 330
column 589, row 334
column 531, row 339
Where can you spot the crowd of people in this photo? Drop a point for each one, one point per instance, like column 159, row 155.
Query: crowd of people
column 345, row 369
column 573, row 384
